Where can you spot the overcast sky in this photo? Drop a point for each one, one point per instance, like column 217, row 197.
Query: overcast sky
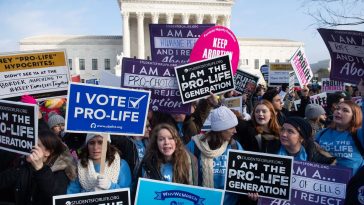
column 281, row 19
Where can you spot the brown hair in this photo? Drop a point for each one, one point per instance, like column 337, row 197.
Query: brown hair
column 110, row 154
column 273, row 125
column 52, row 143
column 356, row 120
column 180, row 162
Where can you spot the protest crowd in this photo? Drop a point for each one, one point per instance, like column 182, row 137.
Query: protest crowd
column 177, row 147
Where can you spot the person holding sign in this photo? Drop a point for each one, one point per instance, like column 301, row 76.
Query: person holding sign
column 211, row 149
column 117, row 172
column 297, row 141
column 344, row 137
column 46, row 172
column 166, row 158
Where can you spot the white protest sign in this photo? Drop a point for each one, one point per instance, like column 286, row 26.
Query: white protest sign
column 301, row 67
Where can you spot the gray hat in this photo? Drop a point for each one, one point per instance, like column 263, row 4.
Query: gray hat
column 314, row 111
column 55, row 119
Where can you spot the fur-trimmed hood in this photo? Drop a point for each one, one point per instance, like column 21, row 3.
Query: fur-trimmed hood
column 65, row 162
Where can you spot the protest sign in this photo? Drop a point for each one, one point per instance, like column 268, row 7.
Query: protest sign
column 76, row 78
column 18, row 126
column 173, row 43
column 109, row 79
column 93, row 81
column 107, row 197
column 319, row 99
column 197, row 80
column 105, row 109
column 314, row 183
column 279, row 73
column 234, row 103
column 301, row 67
column 264, row 69
column 347, row 54
column 331, row 86
column 153, row 192
column 42, row 74
column 217, row 41
column 160, row 79
column 267, row 174
column 292, row 77
column 357, row 100
column 245, row 82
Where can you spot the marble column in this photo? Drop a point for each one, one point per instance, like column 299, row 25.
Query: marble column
column 227, row 21
column 155, row 17
column 213, row 18
column 199, row 18
column 126, row 34
column 170, row 18
column 185, row 18
column 140, row 17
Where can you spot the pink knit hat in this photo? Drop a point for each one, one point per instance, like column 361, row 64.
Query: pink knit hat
column 28, row 99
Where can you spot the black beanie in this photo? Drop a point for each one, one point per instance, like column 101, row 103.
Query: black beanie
column 270, row 94
column 301, row 125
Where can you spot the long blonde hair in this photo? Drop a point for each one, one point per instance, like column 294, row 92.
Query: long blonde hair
column 180, row 161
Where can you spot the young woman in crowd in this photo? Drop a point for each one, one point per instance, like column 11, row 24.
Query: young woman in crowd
column 343, row 138
column 117, row 172
column 261, row 134
column 211, row 150
column 45, row 173
column 166, row 158
column 297, row 141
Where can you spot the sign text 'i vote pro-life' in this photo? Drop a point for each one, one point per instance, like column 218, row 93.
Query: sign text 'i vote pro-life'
column 106, row 109
column 197, row 80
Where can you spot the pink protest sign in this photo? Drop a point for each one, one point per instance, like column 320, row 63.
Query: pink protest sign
column 216, row 41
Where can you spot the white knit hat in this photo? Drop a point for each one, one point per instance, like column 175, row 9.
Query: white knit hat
column 223, row 118
column 92, row 135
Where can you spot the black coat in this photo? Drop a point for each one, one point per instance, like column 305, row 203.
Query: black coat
column 245, row 135
column 34, row 187
column 355, row 189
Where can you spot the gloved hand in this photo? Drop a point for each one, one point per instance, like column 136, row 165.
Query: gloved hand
column 103, row 182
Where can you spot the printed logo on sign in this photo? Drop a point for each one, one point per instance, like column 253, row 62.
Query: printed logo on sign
column 134, row 102
column 361, row 195
column 179, row 194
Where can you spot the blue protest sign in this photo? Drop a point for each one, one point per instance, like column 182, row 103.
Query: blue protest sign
column 106, row 109
column 159, row 192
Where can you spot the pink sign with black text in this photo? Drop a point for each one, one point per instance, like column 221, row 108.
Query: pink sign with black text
column 214, row 42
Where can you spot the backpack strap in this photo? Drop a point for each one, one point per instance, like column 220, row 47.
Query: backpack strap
column 233, row 144
column 321, row 133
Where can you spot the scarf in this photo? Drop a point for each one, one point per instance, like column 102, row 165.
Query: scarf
column 88, row 175
column 207, row 158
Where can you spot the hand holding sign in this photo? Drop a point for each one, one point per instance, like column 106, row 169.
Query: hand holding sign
column 37, row 157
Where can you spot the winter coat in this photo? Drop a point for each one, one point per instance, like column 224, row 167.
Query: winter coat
column 246, row 136
column 38, row 187
column 129, row 152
